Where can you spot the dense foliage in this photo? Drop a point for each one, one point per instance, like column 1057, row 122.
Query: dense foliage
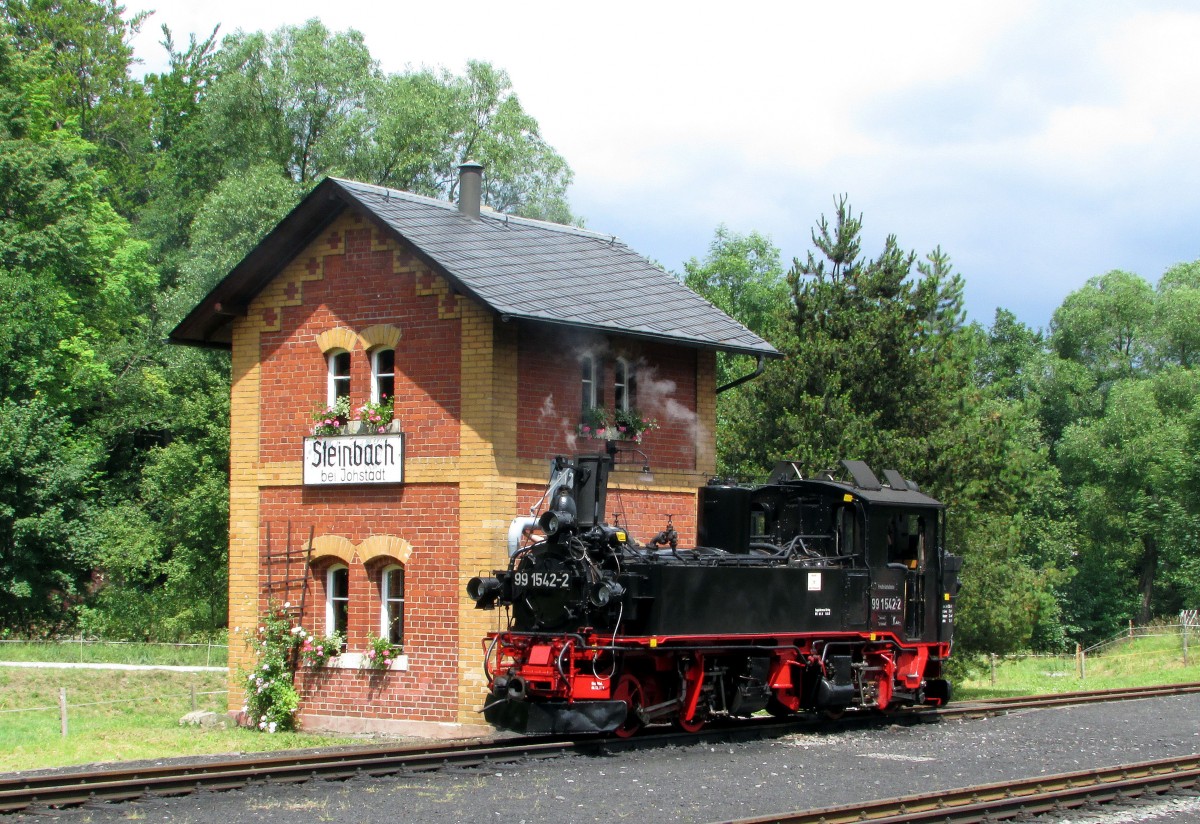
column 1067, row 454
column 124, row 201
column 1068, row 458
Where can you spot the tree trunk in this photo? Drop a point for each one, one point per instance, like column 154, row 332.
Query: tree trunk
column 1146, row 571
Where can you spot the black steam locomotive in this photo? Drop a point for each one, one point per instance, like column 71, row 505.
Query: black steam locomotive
column 806, row 594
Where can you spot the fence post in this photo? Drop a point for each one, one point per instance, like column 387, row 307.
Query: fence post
column 62, row 709
column 1080, row 664
column 1183, row 629
column 1130, row 627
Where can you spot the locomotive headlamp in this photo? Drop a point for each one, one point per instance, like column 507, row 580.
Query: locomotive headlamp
column 483, row 591
column 604, row 591
column 556, row 521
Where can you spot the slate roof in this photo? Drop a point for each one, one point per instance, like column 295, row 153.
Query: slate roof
column 522, row 269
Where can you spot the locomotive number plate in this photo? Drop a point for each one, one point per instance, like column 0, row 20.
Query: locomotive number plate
column 542, row 580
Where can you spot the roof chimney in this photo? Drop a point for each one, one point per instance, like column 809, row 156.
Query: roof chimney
column 470, row 188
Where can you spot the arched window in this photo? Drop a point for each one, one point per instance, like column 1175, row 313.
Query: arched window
column 625, row 385
column 383, row 374
column 593, row 396
column 391, row 624
column 337, row 599
column 339, row 375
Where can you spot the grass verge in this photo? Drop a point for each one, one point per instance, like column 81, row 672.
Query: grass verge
column 1137, row 662
column 120, row 730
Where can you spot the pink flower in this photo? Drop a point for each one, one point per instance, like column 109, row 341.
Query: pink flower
column 385, row 653
column 371, row 654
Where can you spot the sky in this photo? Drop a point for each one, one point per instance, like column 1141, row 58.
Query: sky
column 1039, row 144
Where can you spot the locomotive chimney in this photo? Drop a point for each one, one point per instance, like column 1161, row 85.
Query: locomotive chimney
column 470, row 188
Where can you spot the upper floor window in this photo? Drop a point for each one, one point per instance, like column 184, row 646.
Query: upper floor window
column 590, row 375
column 339, row 376
column 337, row 599
column 392, row 597
column 625, row 385
column 383, row 374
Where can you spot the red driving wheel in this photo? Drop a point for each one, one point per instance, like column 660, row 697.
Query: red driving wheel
column 629, row 690
column 695, row 725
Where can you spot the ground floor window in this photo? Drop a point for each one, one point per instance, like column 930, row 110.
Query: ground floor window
column 337, row 600
column 392, row 597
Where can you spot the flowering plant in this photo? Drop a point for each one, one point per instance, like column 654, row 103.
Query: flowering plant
column 380, row 654
column 375, row 415
column 331, row 420
column 615, row 424
column 316, row 651
column 271, row 697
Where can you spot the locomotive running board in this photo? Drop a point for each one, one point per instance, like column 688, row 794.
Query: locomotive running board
column 555, row 717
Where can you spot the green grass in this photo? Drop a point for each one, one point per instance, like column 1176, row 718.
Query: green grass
column 115, row 652
column 1137, row 662
column 148, row 726
column 124, row 730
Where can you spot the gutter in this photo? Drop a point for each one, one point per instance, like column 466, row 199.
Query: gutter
column 762, row 364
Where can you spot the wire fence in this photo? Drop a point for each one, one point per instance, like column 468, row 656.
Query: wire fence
column 83, row 650
column 1180, row 638
column 66, row 708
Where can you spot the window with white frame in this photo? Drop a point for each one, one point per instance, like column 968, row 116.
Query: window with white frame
column 383, row 374
column 589, row 369
column 337, row 599
column 624, row 385
column 391, row 625
column 339, row 375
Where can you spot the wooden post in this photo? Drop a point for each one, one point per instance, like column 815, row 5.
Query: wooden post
column 1079, row 661
column 62, row 709
column 1183, row 628
column 1130, row 627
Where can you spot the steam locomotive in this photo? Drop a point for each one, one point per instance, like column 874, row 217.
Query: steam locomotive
column 823, row 594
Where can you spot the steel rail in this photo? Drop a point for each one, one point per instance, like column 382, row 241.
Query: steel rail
column 1005, row 800
column 994, row 705
column 174, row 777
column 66, row 789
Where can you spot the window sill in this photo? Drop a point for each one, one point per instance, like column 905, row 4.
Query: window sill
column 354, row 660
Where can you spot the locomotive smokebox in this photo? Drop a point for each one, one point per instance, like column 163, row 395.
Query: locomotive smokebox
column 725, row 518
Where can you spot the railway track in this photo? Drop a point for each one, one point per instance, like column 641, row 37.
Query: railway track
column 1002, row 801
column 113, row 784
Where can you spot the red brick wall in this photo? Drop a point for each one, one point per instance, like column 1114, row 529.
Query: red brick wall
column 360, row 289
column 642, row 513
column 548, row 405
column 426, row 517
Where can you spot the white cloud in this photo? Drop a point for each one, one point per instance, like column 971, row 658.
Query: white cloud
column 1039, row 144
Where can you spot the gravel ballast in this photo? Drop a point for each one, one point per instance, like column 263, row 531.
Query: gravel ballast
column 707, row 782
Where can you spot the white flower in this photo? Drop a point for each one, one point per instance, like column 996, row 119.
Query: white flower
column 266, row 667
column 287, row 604
column 271, row 727
column 262, row 725
column 245, row 708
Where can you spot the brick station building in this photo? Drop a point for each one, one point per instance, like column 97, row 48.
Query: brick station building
column 493, row 334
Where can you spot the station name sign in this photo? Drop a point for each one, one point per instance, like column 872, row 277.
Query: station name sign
column 354, row 459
